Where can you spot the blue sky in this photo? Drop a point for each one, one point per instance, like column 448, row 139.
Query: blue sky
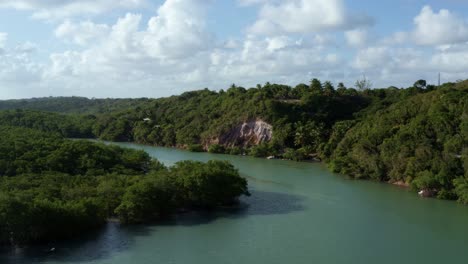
column 154, row 48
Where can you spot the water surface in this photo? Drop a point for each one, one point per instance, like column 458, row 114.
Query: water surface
column 298, row 213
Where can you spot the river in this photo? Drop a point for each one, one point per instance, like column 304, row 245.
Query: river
column 298, row 213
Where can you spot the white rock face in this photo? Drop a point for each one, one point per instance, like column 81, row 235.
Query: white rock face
column 248, row 134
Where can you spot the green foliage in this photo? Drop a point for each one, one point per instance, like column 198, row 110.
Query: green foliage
column 31, row 151
column 188, row 184
column 73, row 104
column 217, row 149
column 425, row 180
column 196, row 148
column 417, row 139
column 52, row 188
column 39, row 208
column 420, row 84
column 234, row 151
column 418, row 135
column 261, row 151
column 149, row 199
column 207, row 185
column 461, row 189
column 296, row 154
column 72, row 126
column 195, row 118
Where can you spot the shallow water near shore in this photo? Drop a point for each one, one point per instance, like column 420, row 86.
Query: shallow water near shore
column 298, row 213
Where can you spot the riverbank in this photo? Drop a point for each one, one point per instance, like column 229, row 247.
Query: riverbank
column 298, row 213
column 399, row 184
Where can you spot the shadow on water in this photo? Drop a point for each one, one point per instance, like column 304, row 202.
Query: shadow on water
column 111, row 239
column 259, row 203
column 114, row 238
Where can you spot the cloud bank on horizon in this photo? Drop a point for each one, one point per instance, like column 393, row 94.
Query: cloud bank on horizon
column 143, row 48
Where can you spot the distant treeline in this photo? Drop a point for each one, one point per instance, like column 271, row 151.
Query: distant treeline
column 52, row 188
column 417, row 136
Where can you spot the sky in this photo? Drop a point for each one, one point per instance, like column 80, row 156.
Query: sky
column 158, row 48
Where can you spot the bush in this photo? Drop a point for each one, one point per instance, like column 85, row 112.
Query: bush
column 261, row 151
column 235, row 151
column 425, row 180
column 196, row 148
column 207, row 185
column 296, row 155
column 461, row 189
column 217, row 149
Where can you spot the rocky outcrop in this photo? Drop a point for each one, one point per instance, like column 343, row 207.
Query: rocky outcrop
column 400, row 184
column 427, row 193
column 249, row 133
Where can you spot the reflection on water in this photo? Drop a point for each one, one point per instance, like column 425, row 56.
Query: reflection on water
column 259, row 203
column 114, row 238
column 110, row 240
column 298, row 213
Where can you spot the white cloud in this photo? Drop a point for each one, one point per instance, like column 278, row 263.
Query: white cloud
column 3, row 39
column 20, row 73
column 81, row 33
column 279, row 59
column 305, row 16
column 357, row 37
column 26, row 48
column 56, row 9
column 451, row 58
column 251, row 2
column 174, row 51
column 178, row 30
column 396, row 38
column 372, row 57
column 390, row 65
column 439, row 28
column 277, row 43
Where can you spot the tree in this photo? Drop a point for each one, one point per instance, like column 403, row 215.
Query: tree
column 363, row 84
column 308, row 134
column 217, row 149
column 328, row 88
column 148, row 200
column 316, row 86
column 420, row 84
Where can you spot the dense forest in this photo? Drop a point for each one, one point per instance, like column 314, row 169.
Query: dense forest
column 53, row 188
column 417, row 136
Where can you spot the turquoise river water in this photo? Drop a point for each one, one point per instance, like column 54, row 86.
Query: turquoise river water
column 299, row 213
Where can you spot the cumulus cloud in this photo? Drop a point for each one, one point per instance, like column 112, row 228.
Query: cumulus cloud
column 81, row 33
column 357, row 37
column 173, row 51
column 171, row 48
column 251, row 2
column 444, row 27
column 392, row 65
column 178, row 30
column 451, row 59
column 3, row 39
column 20, row 73
column 56, row 9
column 305, row 16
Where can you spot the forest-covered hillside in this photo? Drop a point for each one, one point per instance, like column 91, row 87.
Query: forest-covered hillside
column 416, row 136
column 53, row 188
column 71, row 104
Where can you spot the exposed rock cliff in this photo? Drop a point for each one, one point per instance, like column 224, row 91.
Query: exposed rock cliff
column 247, row 134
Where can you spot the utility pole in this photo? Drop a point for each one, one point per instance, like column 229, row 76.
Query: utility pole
column 439, row 79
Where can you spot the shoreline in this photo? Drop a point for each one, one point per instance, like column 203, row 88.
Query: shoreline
column 399, row 184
